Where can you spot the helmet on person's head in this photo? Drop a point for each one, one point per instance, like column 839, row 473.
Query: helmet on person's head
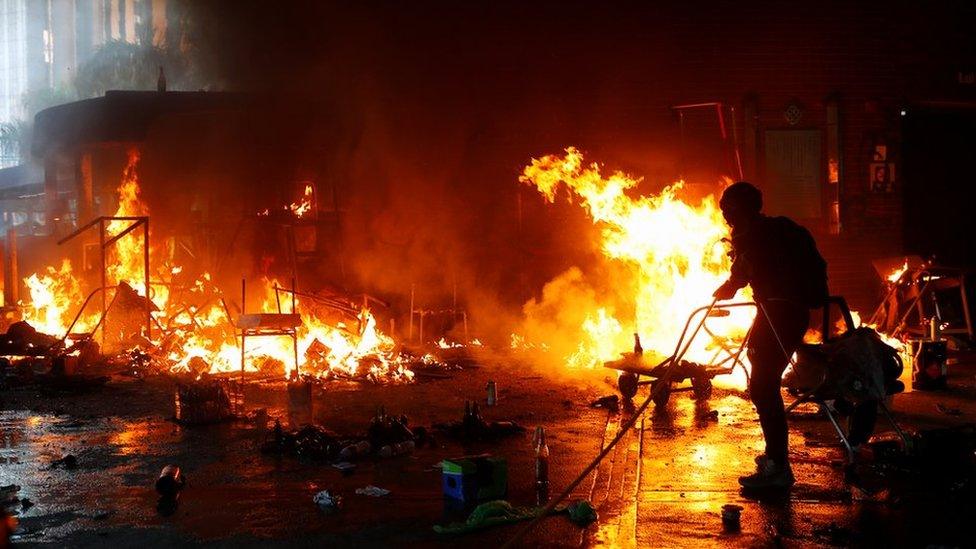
column 741, row 196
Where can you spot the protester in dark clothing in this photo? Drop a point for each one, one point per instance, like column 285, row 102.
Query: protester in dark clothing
column 780, row 261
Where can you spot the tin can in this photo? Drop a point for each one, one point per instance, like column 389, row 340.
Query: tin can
column 492, row 393
column 731, row 516
column 170, row 481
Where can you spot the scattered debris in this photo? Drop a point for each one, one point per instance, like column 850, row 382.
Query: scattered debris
column 310, row 442
column 373, row 491
column 208, row 401
column 22, row 339
column 473, row 427
column 731, row 514
column 581, row 512
column 170, row 481
column 345, row 467
column 474, row 478
column 948, row 410
column 488, row 514
column 327, row 502
column 68, row 462
column 611, row 402
column 356, row 450
column 498, row 512
column 397, row 449
column 387, row 436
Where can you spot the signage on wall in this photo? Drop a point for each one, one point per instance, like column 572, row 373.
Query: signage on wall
column 881, row 172
column 793, row 113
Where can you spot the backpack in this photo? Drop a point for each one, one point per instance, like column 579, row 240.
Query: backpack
column 810, row 268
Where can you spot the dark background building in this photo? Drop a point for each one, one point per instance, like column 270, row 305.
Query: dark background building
column 853, row 117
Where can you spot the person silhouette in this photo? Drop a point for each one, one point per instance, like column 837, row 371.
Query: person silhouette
column 779, row 260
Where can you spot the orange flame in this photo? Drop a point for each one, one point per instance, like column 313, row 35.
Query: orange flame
column 304, row 204
column 199, row 336
column 671, row 255
column 896, row 275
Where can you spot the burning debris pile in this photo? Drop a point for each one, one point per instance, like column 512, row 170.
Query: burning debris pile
column 193, row 326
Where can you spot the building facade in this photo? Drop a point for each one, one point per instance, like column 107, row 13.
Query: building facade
column 42, row 43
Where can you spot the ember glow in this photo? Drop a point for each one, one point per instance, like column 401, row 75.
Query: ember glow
column 667, row 254
column 896, row 275
column 303, row 206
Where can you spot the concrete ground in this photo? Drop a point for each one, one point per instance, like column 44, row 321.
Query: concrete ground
column 663, row 486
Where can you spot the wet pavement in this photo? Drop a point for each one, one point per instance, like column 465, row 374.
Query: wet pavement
column 663, row 486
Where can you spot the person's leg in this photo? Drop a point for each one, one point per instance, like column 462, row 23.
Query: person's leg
column 768, row 359
column 862, row 422
column 764, row 389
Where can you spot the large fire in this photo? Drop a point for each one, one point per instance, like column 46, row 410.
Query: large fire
column 197, row 332
column 668, row 255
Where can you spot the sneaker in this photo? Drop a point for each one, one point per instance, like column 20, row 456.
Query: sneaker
column 769, row 474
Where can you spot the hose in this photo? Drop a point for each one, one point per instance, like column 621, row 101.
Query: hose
column 663, row 381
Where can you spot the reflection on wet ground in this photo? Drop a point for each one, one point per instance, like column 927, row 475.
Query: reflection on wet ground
column 663, row 486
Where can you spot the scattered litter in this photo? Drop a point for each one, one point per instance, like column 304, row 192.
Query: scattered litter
column 731, row 516
column 345, row 467
column 68, row 462
column 488, row 514
column 611, row 402
column 397, row 449
column 473, row 427
column 494, row 513
column 387, row 436
column 373, row 491
column 581, row 512
column 327, row 502
column 208, row 401
column 356, row 450
column 309, row 442
column 948, row 410
column 170, row 481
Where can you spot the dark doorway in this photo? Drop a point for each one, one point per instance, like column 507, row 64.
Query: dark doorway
column 940, row 184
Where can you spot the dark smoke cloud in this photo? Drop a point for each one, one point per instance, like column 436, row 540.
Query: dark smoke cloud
column 440, row 105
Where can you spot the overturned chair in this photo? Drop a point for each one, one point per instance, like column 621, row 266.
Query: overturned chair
column 848, row 374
